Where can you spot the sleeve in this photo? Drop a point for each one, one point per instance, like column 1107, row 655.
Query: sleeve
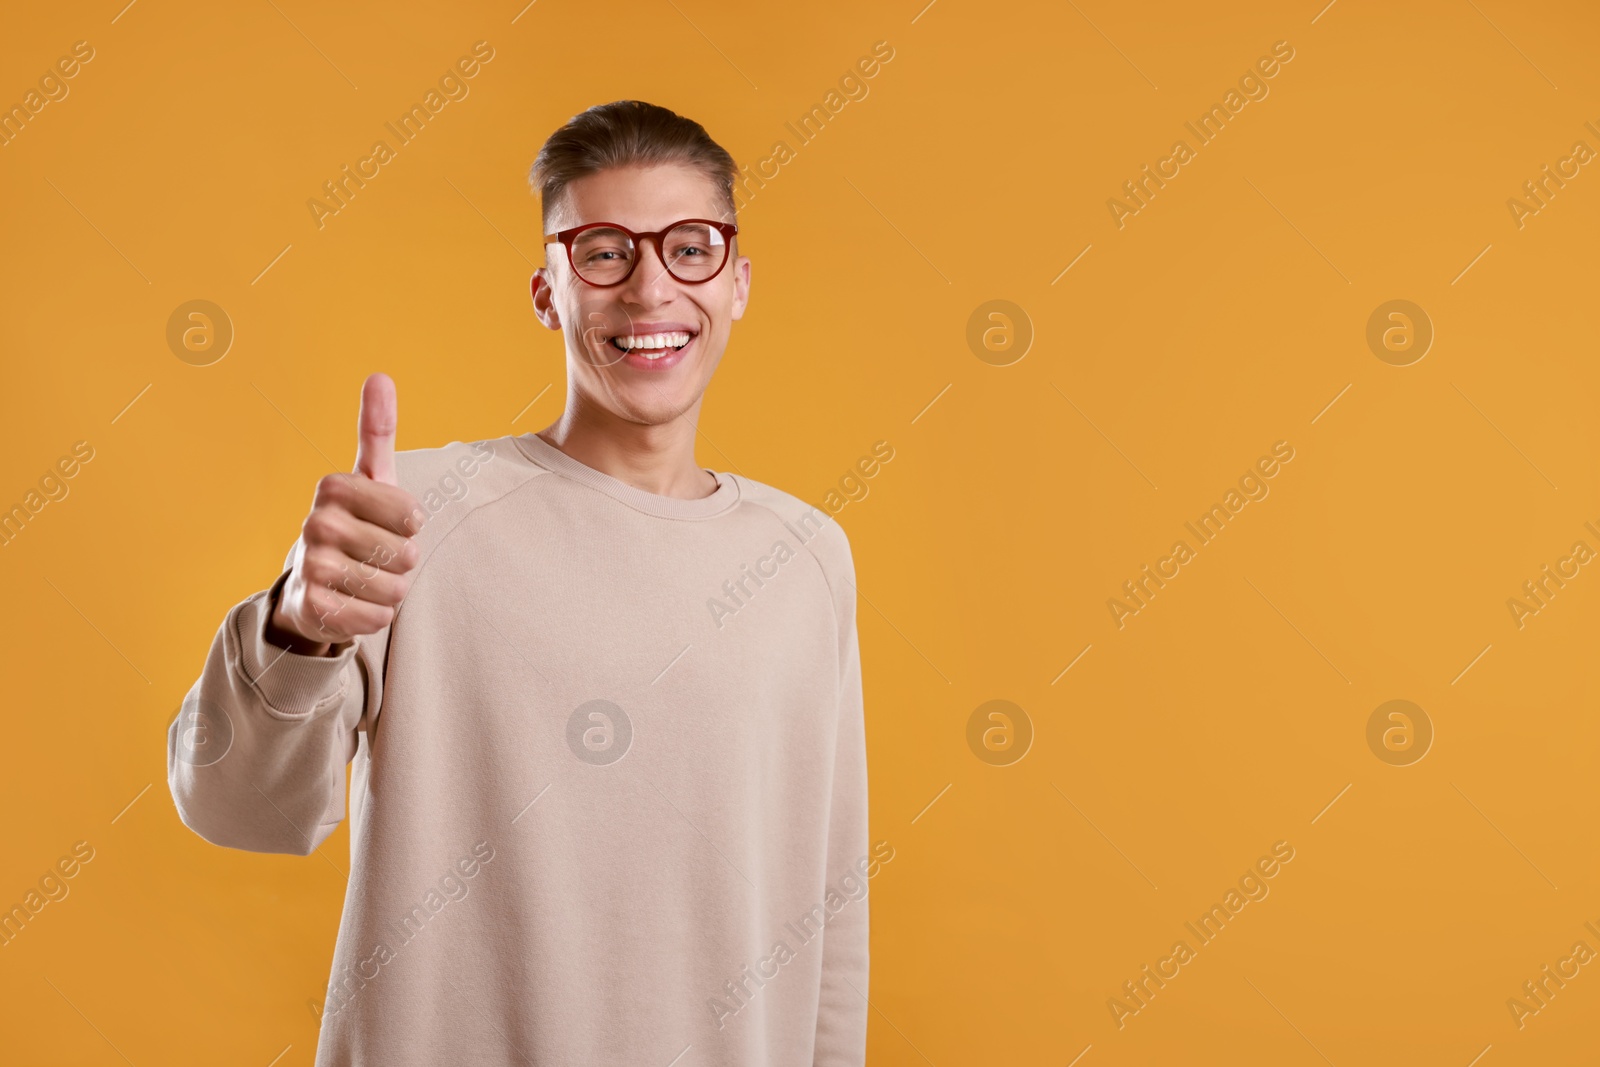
column 842, row 1003
column 256, row 756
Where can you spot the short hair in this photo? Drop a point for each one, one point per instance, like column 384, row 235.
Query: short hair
column 626, row 133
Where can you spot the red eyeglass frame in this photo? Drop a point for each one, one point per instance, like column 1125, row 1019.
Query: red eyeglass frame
column 565, row 237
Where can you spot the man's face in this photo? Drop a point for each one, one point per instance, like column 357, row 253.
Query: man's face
column 632, row 386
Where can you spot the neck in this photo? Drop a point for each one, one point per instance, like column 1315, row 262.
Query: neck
column 654, row 458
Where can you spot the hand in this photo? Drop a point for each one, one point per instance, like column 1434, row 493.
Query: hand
column 352, row 565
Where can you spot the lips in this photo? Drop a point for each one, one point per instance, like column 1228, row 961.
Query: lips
column 659, row 359
column 652, row 341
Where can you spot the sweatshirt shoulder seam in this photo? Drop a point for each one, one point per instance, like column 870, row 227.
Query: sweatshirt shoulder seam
column 538, row 472
column 827, row 578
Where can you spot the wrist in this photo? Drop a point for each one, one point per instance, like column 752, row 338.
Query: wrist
column 282, row 634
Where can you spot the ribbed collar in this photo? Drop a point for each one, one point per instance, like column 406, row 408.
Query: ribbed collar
column 666, row 507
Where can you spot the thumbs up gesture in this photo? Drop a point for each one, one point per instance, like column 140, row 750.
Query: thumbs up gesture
column 353, row 563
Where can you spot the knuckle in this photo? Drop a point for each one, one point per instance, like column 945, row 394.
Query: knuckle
column 320, row 527
column 352, row 584
column 331, row 488
column 378, row 558
column 415, row 516
column 328, row 593
column 323, row 606
column 332, row 568
column 312, row 570
column 381, row 594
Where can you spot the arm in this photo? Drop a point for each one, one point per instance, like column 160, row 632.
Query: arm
column 842, row 1005
column 256, row 755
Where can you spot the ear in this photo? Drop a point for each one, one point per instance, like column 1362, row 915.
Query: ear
column 544, row 299
column 741, row 286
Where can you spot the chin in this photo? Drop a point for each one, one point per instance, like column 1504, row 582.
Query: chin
column 658, row 407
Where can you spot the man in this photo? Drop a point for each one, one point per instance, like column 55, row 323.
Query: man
column 608, row 798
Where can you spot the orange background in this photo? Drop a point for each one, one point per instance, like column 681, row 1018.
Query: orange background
column 1225, row 316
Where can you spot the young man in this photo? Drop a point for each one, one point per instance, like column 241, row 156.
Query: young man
column 604, row 708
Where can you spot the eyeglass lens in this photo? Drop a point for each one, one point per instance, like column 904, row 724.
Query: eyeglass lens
column 692, row 252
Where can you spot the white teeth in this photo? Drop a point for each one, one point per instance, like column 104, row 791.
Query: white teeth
column 675, row 339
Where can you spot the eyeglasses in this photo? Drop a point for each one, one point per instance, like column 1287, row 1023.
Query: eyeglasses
column 604, row 254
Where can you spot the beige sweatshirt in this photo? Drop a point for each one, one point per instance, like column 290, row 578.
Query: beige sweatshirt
column 609, row 796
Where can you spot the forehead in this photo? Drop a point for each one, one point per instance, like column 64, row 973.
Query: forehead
column 640, row 198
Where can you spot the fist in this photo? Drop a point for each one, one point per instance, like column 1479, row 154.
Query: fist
column 353, row 563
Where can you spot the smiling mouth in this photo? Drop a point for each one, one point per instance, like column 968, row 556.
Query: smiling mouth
column 652, row 345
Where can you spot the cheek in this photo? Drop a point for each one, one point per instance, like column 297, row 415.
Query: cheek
column 713, row 341
column 590, row 319
column 728, row 305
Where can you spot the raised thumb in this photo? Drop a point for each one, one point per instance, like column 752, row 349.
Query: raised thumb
column 375, row 429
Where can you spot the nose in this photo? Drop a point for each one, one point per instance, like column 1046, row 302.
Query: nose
column 648, row 279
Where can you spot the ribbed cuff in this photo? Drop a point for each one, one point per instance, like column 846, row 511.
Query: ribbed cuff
column 292, row 685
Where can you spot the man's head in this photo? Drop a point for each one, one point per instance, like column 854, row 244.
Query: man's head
column 643, row 168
